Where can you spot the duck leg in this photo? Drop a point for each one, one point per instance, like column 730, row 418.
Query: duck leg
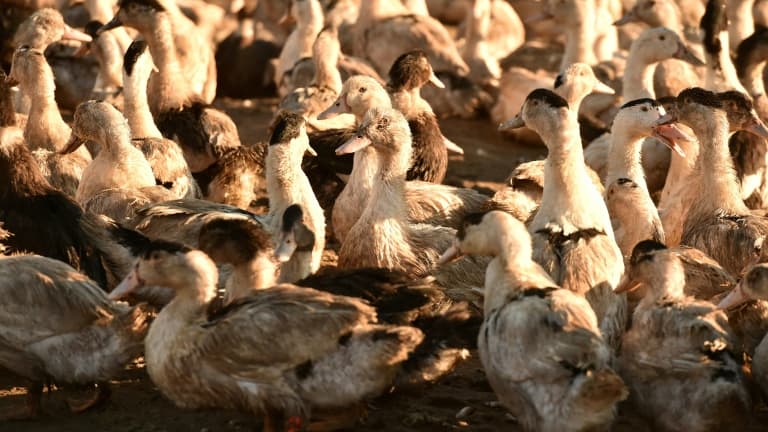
column 101, row 395
column 31, row 408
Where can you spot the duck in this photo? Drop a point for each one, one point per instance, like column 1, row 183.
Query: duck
column 450, row 328
column 171, row 37
column 244, row 60
column 310, row 101
column 427, row 202
column 720, row 74
column 652, row 46
column 119, row 165
column 8, row 116
column 717, row 216
column 46, row 133
column 271, row 377
column 634, row 217
column 180, row 113
column 237, row 178
column 73, row 236
column 108, row 52
column 750, row 64
column 752, row 289
column 391, row 21
column 382, row 236
column 559, row 355
column 523, row 188
column 484, row 68
column 680, row 346
column 309, row 18
column 62, row 328
column 286, row 182
column 164, row 156
column 572, row 234
column 741, row 22
column 505, row 32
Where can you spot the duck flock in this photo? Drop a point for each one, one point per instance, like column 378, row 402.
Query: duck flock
column 299, row 278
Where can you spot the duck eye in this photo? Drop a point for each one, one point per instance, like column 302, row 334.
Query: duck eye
column 384, row 122
column 644, row 109
column 662, row 37
column 363, row 89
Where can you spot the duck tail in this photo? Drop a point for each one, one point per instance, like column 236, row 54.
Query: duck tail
column 448, row 338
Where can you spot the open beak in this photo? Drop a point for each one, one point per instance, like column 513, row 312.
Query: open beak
column 452, row 146
column 338, row 107
column 127, row 286
column 666, row 119
column 285, row 248
column 73, row 144
column 669, row 134
column 684, row 54
column 757, row 127
column 311, row 151
column 76, row 35
column 435, row 81
column 115, row 23
column 514, row 123
column 452, row 254
column 628, row 17
column 353, row 145
column 603, row 88
column 734, row 298
column 626, row 284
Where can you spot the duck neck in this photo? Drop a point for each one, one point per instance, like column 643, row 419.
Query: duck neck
column 741, row 23
column 624, row 158
column 298, row 267
column 284, row 175
column 46, row 128
column 136, row 108
column 667, row 286
column 714, row 168
column 251, row 276
column 171, row 90
column 580, row 40
column 564, row 170
column 753, row 78
column 721, row 73
column 326, row 71
column 117, row 141
column 377, row 10
column 680, row 169
column 387, row 199
column 638, row 77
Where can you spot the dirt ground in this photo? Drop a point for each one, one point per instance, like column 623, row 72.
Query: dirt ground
column 136, row 406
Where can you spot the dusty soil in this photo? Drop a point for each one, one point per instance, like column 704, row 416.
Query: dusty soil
column 137, row 406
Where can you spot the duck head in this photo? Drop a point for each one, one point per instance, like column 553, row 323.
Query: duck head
column 137, row 62
column 753, row 286
column 294, row 236
column 45, row 27
column 741, row 113
column 655, row 268
column 491, row 233
column 655, row 13
column 171, row 265
column 543, row 110
column 358, row 94
column 235, row 241
column 138, row 14
column 640, row 118
column 411, row 71
column 577, row 81
column 290, row 129
column 660, row 43
column 383, row 128
column 31, row 71
column 696, row 108
column 95, row 121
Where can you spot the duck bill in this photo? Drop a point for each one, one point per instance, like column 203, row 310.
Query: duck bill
column 734, row 298
column 127, row 286
column 76, row 35
column 452, row 254
column 513, row 123
column 684, row 54
column 603, row 88
column 285, row 248
column 669, row 134
column 82, row 51
column 114, row 23
column 628, row 17
column 757, row 127
column 626, row 284
column 452, row 146
column 310, row 151
column 666, row 119
column 435, row 81
column 338, row 107
column 353, row 145
column 73, row 144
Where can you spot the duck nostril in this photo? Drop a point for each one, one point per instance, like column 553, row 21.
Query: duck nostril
column 359, row 137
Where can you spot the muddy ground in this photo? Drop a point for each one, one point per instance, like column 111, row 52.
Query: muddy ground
column 136, row 406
